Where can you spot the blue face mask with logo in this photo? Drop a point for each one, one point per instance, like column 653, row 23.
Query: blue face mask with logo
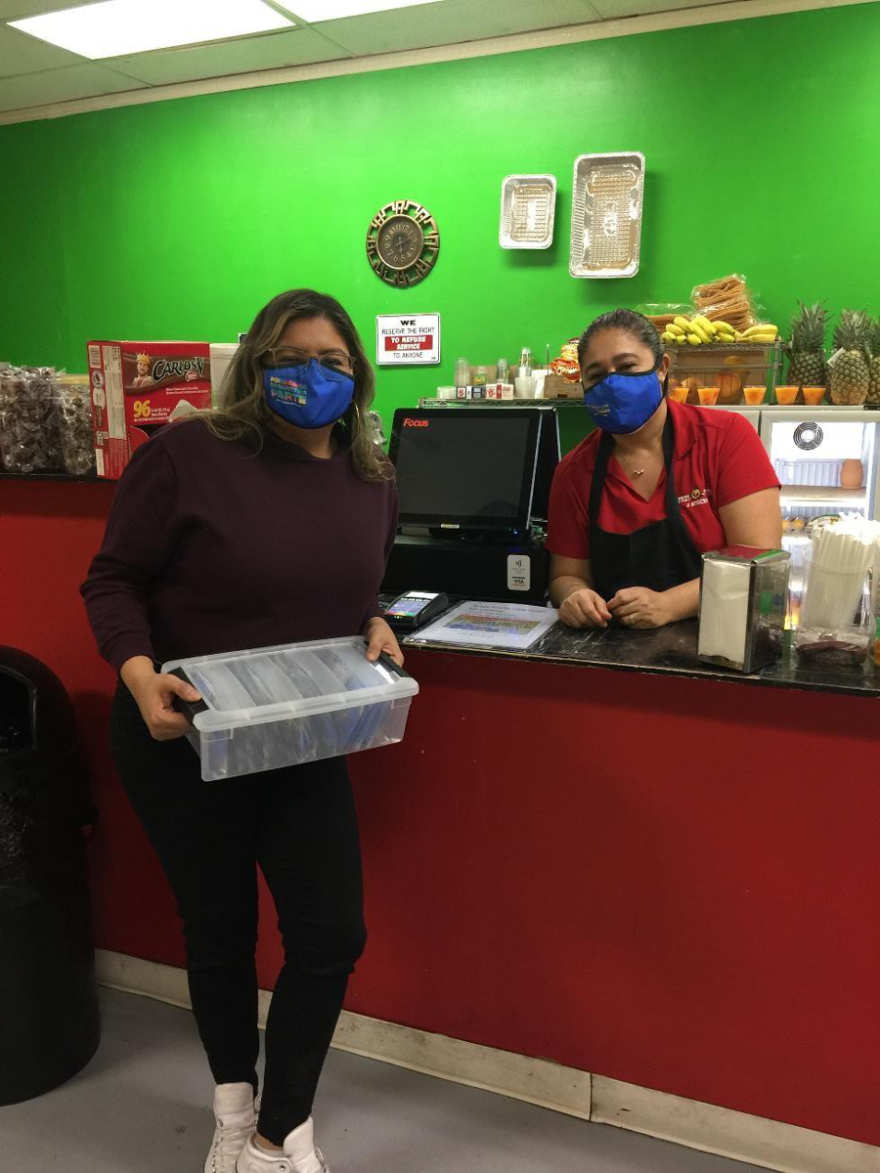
column 309, row 395
column 624, row 401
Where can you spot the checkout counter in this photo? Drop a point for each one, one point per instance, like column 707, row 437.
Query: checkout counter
column 604, row 851
column 599, row 851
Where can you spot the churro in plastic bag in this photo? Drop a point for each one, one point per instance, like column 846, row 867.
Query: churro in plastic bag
column 726, row 300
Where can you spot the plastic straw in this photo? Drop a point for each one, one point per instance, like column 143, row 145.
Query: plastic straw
column 840, row 557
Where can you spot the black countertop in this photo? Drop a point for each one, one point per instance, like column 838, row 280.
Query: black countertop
column 672, row 650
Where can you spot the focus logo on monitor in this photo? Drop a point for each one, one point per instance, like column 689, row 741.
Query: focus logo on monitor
column 408, row 423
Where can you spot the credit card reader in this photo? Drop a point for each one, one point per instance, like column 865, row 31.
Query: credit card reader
column 415, row 608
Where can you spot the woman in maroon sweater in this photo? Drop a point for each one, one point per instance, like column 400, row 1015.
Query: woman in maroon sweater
column 265, row 523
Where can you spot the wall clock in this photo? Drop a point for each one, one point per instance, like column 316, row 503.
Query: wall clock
column 402, row 243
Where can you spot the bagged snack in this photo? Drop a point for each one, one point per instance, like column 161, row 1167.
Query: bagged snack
column 73, row 413
column 29, row 438
column 728, row 300
column 567, row 364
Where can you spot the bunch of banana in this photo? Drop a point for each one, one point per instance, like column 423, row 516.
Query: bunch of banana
column 758, row 334
column 699, row 331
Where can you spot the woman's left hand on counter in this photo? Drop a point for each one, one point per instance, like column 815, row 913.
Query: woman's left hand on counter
column 640, row 607
column 380, row 638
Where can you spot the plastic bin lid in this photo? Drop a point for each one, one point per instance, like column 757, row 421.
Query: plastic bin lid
column 290, row 680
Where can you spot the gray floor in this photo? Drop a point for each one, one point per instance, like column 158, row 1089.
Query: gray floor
column 142, row 1106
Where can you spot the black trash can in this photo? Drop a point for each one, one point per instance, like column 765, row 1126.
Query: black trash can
column 49, row 1025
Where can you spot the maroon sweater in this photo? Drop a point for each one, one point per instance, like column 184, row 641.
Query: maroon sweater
column 213, row 548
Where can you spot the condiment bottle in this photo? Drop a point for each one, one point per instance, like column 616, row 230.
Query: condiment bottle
column 480, row 377
column 502, row 371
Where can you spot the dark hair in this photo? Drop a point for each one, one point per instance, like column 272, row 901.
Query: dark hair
column 636, row 325
column 243, row 406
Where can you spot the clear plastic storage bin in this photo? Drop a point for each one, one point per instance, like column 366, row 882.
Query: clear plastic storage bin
column 282, row 706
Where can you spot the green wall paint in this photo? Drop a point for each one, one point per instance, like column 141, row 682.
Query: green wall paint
column 181, row 218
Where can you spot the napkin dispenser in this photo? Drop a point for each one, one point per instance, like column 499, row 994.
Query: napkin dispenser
column 743, row 603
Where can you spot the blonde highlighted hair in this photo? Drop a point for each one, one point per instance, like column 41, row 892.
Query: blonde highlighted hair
column 243, row 411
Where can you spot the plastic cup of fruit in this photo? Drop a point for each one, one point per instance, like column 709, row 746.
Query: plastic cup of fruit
column 813, row 396
column 754, row 395
column 708, row 395
column 785, row 396
column 679, row 394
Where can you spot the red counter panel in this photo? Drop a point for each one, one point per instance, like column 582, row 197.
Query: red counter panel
column 667, row 881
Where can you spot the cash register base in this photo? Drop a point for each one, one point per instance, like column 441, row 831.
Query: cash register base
column 503, row 568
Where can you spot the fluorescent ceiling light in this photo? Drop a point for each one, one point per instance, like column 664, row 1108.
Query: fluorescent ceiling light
column 313, row 11
column 116, row 27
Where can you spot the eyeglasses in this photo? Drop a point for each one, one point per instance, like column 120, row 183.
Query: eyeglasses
column 288, row 356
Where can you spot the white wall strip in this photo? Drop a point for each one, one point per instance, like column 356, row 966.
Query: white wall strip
column 730, row 1134
column 563, row 1089
column 569, row 34
column 537, row 1081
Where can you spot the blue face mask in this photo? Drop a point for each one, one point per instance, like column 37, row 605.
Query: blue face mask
column 623, row 402
column 309, row 395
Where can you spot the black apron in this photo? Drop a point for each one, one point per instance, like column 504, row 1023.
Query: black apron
column 657, row 556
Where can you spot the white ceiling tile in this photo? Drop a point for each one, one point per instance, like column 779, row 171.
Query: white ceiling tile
column 62, row 85
column 271, row 51
column 20, row 53
column 450, row 22
column 19, row 9
column 614, row 9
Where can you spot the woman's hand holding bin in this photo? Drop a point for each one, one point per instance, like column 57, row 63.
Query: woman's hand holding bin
column 380, row 638
column 154, row 693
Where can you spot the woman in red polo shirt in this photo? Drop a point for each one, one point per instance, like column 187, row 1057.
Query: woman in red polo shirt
column 625, row 536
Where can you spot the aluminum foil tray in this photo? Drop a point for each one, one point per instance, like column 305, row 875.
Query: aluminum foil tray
column 606, row 215
column 528, row 208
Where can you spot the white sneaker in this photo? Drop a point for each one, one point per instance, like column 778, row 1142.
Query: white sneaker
column 298, row 1156
column 236, row 1119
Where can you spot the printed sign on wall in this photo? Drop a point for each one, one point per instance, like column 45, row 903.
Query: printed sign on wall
column 407, row 341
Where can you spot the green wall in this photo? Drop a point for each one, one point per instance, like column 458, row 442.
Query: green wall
column 180, row 219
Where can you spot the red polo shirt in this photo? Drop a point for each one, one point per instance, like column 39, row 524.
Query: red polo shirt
column 718, row 458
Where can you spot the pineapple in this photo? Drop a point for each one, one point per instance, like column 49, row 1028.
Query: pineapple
column 874, row 388
column 806, row 367
column 849, row 375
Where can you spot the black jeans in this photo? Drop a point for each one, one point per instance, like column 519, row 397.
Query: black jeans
column 300, row 826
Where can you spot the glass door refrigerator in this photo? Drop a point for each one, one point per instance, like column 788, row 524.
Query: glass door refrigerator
column 826, row 460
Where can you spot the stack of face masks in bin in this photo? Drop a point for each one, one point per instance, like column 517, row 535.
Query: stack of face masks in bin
column 282, row 706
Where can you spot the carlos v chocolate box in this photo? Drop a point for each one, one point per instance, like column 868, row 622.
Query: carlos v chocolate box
column 137, row 387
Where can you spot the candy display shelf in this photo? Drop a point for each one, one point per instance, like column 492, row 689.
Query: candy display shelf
column 92, row 479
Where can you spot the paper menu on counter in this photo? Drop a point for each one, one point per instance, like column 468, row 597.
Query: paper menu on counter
column 489, row 625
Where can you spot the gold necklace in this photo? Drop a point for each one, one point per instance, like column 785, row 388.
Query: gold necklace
column 632, row 472
column 623, row 459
